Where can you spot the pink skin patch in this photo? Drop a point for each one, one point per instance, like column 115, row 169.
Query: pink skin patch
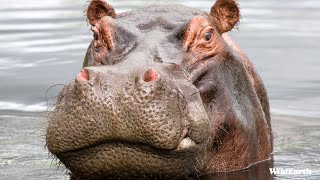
column 151, row 76
column 83, row 75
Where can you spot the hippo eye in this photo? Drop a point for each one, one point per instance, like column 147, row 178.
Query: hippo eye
column 208, row 36
column 95, row 36
column 95, row 33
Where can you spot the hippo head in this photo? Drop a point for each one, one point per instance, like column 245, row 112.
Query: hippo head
column 163, row 93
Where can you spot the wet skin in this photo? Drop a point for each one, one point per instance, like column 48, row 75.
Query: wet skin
column 164, row 93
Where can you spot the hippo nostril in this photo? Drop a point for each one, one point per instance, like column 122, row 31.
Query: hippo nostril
column 151, row 76
column 83, row 75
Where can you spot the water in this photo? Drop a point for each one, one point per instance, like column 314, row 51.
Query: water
column 42, row 43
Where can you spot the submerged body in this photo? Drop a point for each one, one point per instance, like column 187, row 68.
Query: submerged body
column 164, row 93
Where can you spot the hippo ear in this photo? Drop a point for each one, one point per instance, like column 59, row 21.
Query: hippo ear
column 97, row 9
column 226, row 13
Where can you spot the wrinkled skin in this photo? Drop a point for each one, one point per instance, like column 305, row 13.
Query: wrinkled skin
column 164, row 93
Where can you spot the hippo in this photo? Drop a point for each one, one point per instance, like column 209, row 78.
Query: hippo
column 164, row 93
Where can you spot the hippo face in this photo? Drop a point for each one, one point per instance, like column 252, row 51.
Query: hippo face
column 163, row 93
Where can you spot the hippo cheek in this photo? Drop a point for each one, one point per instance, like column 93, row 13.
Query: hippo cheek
column 136, row 124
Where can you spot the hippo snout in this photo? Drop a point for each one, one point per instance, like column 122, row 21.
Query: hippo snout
column 149, row 76
column 142, row 107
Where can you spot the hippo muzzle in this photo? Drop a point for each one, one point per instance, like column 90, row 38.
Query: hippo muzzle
column 145, row 117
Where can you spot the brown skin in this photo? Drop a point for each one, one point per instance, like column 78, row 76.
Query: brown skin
column 165, row 95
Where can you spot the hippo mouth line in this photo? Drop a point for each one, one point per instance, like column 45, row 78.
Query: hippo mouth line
column 127, row 157
column 186, row 145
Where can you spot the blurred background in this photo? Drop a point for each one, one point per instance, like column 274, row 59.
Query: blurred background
column 43, row 43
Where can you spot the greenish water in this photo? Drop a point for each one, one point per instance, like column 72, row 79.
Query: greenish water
column 43, row 43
